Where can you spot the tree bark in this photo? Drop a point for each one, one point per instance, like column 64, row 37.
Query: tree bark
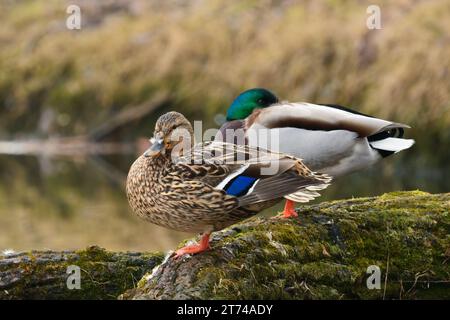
column 43, row 274
column 325, row 253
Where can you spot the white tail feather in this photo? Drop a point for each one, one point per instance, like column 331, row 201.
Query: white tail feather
column 307, row 194
column 392, row 144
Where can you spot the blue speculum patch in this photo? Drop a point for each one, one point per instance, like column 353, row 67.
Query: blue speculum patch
column 240, row 185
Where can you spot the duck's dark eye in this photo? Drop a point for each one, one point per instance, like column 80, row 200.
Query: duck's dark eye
column 260, row 100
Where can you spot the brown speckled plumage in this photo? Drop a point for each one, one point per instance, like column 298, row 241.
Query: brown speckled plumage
column 160, row 192
column 183, row 194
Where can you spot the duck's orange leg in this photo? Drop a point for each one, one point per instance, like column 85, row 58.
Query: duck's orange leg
column 203, row 245
column 289, row 210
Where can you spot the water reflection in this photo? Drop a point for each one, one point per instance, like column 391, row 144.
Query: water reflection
column 73, row 202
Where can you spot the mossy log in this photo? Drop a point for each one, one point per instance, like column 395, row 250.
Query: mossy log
column 44, row 274
column 324, row 254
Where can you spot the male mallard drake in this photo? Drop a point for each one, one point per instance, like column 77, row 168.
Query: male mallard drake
column 331, row 139
column 208, row 186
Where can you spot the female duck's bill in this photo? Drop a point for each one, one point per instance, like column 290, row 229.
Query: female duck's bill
column 157, row 146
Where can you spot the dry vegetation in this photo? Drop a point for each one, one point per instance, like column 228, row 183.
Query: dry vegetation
column 205, row 52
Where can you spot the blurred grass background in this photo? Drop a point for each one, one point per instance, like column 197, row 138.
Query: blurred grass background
column 206, row 52
column 203, row 53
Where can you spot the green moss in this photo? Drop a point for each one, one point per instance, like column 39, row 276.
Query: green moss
column 94, row 253
column 104, row 275
column 396, row 194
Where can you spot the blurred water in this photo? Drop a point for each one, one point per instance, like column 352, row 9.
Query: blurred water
column 73, row 202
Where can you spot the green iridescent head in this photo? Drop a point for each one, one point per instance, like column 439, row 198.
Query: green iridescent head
column 248, row 101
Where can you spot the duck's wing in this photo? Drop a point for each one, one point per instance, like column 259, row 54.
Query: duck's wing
column 251, row 174
column 285, row 184
column 324, row 133
column 218, row 152
column 320, row 117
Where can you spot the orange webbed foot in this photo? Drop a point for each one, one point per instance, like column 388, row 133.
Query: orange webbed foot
column 288, row 214
column 203, row 245
column 289, row 210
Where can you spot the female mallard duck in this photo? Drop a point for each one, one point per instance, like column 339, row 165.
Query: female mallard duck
column 329, row 138
column 211, row 185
